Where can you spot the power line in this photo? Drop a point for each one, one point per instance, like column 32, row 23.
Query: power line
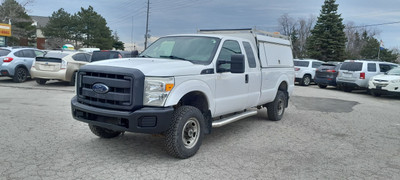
column 369, row 25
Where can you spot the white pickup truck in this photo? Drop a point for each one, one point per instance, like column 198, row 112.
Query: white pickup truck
column 184, row 85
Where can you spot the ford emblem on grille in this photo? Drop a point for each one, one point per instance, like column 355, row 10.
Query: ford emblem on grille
column 100, row 88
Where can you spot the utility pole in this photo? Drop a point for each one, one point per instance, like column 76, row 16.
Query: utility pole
column 146, row 36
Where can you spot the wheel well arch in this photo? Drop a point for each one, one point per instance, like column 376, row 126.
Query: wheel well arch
column 283, row 86
column 22, row 66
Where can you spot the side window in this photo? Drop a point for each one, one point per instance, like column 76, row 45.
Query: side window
column 249, row 54
column 384, row 67
column 371, row 67
column 79, row 57
column 228, row 49
column 19, row 54
column 29, row 53
column 88, row 57
column 316, row 64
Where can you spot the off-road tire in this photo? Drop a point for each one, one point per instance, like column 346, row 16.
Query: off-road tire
column 276, row 108
column 41, row 81
column 20, row 75
column 306, row 80
column 103, row 132
column 322, row 86
column 184, row 137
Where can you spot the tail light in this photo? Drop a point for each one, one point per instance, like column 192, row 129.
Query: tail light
column 64, row 64
column 8, row 59
column 297, row 69
column 362, row 75
column 331, row 70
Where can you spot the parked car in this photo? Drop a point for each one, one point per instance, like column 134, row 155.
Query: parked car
column 355, row 74
column 58, row 65
column 387, row 83
column 184, row 85
column 305, row 70
column 16, row 62
column 326, row 74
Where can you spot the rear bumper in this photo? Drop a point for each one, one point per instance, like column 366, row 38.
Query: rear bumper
column 325, row 81
column 4, row 73
column 57, row 75
column 145, row 120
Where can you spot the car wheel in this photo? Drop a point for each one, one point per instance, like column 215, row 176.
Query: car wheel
column 103, row 132
column 277, row 107
column 322, row 86
column 306, row 80
column 20, row 75
column 183, row 139
column 41, row 81
column 376, row 94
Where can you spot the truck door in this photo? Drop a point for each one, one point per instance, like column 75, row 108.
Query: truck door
column 253, row 75
column 231, row 89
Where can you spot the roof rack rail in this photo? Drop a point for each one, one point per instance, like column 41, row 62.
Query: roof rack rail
column 244, row 30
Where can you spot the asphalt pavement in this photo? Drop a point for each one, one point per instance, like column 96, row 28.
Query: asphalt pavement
column 324, row 134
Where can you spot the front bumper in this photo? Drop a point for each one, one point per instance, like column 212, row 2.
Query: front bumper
column 384, row 88
column 145, row 120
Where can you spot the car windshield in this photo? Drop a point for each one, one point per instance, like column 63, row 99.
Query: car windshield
column 189, row 48
column 301, row 63
column 351, row 66
column 394, row 71
column 103, row 55
column 4, row 52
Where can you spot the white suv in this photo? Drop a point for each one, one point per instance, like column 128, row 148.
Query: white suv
column 388, row 83
column 305, row 70
column 355, row 74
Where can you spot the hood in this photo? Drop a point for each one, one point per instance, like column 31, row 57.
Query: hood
column 154, row 66
column 386, row 77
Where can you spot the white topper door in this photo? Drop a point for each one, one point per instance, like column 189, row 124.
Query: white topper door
column 231, row 89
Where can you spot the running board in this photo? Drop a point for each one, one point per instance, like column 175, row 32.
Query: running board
column 233, row 118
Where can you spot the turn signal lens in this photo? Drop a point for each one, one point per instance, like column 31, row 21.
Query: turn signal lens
column 8, row 59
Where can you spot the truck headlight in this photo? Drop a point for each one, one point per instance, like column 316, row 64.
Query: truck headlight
column 156, row 90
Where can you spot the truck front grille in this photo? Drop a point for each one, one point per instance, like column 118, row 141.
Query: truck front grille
column 121, row 92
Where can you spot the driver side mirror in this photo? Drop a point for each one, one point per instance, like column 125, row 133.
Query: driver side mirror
column 237, row 63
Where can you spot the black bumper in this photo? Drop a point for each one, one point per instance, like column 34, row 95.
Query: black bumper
column 145, row 120
column 349, row 85
column 4, row 73
column 384, row 92
column 325, row 81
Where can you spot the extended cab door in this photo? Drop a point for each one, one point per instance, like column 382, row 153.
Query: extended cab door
column 231, row 88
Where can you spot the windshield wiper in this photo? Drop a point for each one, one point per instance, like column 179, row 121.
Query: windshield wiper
column 173, row 57
column 145, row 56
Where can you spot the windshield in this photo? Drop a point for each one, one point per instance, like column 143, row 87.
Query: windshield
column 194, row 49
column 301, row 63
column 394, row 71
column 351, row 66
column 102, row 55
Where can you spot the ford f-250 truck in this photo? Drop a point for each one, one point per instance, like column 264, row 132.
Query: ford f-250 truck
column 184, row 85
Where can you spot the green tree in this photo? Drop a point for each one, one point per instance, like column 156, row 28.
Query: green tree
column 93, row 29
column 372, row 49
column 61, row 29
column 117, row 44
column 22, row 30
column 327, row 41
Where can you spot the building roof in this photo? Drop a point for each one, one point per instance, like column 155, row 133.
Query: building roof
column 40, row 21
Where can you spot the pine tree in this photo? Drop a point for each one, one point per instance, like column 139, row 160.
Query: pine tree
column 328, row 39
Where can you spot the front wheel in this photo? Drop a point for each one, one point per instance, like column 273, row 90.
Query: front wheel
column 183, row 139
column 103, row 132
column 277, row 107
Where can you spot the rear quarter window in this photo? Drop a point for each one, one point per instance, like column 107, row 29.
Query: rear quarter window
column 371, row 67
column 4, row 52
column 351, row 66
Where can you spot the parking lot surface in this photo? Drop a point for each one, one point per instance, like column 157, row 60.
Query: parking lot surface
column 324, row 134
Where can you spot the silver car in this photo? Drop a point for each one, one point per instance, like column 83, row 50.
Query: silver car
column 16, row 62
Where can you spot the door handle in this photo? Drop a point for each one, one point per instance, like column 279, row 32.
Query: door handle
column 246, row 78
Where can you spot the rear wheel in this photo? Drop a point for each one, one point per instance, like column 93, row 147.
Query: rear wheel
column 306, row 80
column 347, row 89
column 41, row 81
column 277, row 107
column 322, row 86
column 183, row 139
column 103, row 132
column 20, row 75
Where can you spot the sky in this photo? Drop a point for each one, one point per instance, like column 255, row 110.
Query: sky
column 128, row 17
